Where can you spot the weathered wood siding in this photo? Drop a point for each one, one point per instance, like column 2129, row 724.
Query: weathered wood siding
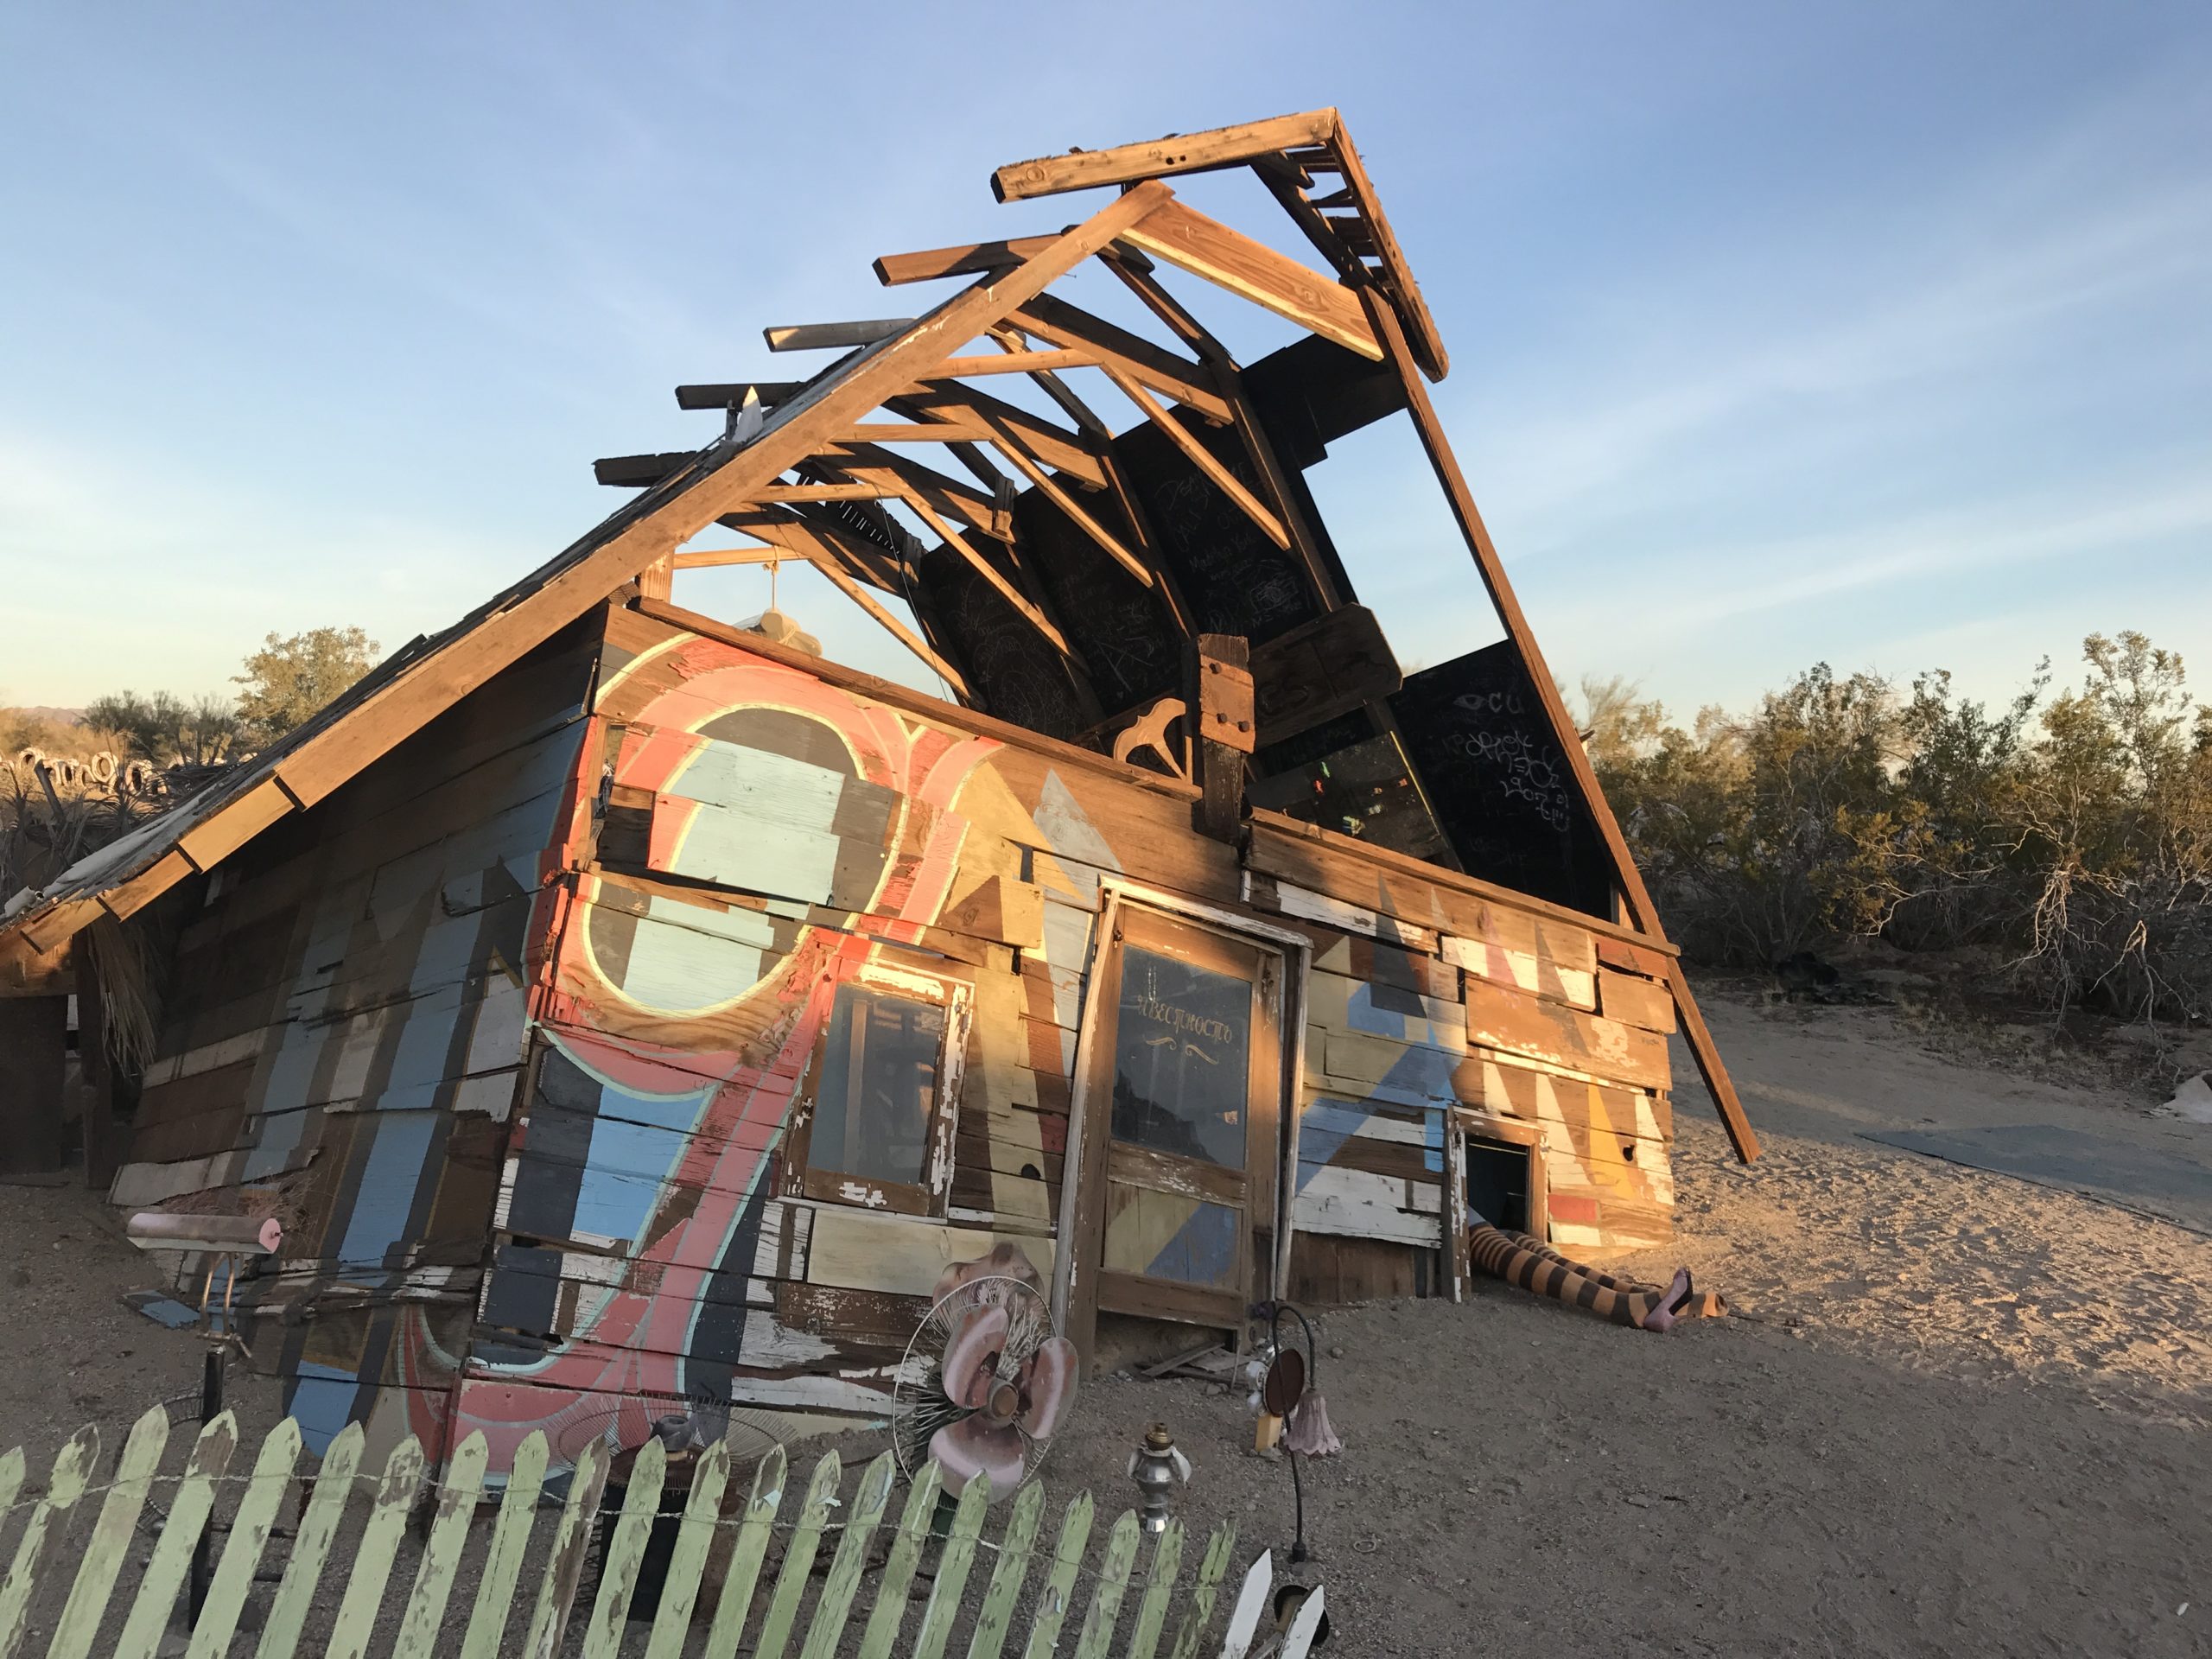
column 1431, row 993
column 341, row 1041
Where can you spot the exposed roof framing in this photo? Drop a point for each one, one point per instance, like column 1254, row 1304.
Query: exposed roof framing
column 1078, row 570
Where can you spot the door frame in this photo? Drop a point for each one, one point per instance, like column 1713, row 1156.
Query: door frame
column 1074, row 1302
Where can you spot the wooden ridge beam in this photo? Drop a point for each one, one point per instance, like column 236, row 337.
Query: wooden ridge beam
column 1160, row 158
column 1205, row 247
column 1630, row 879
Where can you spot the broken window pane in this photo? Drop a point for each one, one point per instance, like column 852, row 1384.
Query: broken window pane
column 1180, row 1056
column 879, row 1086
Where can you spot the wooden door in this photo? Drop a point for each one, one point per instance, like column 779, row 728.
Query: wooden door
column 1183, row 1080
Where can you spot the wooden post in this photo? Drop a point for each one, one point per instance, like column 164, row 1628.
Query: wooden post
column 1642, row 912
column 33, row 1041
column 1223, row 735
column 96, row 1068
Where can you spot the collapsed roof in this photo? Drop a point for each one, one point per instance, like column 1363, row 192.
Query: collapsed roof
column 1060, row 572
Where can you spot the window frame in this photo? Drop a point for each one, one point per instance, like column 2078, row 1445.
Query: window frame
column 929, row 1196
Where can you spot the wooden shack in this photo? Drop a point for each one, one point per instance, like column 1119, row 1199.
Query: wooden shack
column 622, row 1006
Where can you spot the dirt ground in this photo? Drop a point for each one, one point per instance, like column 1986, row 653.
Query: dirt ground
column 1954, row 1413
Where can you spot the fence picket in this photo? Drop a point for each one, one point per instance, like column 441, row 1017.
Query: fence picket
column 189, row 1512
column 357, row 1613
column 1059, row 1588
column 996, row 1617
column 798, row 1559
column 834, row 1609
column 626, row 1551
column 952, row 1568
column 495, row 1594
column 549, row 1620
column 110, row 1539
column 249, row 1537
column 334, row 1484
column 1212, row 1568
column 889, row 1609
column 1159, row 1593
column 73, row 1465
column 1098, row 1635
column 695, row 1537
column 11, row 1478
column 743, row 1575
column 433, row 1575
column 1298, row 1641
column 1251, row 1602
column 830, row 1628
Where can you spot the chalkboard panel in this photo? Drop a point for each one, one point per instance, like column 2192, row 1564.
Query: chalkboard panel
column 1499, row 782
column 1120, row 628
column 1234, row 578
column 1013, row 671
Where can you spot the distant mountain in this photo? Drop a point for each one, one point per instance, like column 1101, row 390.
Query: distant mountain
column 58, row 717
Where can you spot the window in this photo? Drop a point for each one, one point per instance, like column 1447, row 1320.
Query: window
column 875, row 1108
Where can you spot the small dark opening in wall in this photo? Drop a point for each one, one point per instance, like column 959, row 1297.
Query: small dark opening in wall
column 1498, row 1184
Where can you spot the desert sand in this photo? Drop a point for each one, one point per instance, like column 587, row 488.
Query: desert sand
column 1954, row 1412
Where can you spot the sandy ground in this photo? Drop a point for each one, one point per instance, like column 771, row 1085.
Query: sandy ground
column 1956, row 1413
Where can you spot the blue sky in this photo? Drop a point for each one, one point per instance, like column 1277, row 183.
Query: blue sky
column 1872, row 333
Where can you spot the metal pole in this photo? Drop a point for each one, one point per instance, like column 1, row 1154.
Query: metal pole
column 203, row 1552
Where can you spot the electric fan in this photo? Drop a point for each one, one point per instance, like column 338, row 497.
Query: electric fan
column 987, row 1381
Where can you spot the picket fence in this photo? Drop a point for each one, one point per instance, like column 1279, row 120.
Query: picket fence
column 43, row 1558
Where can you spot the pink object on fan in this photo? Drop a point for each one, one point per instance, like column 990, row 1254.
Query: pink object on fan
column 1007, row 1413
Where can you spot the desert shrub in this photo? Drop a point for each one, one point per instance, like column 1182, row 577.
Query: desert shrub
column 2072, row 833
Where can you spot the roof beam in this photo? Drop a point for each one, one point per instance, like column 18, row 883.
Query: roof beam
column 1055, row 446
column 1202, row 458
column 833, row 336
column 1059, row 323
column 1205, row 247
column 1008, row 444
column 725, row 394
column 406, row 693
column 1195, row 152
column 968, row 259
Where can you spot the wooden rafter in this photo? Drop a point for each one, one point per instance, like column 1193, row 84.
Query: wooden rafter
column 1626, row 875
column 1053, row 445
column 1050, row 318
column 800, row 542
column 949, row 496
column 1205, row 247
column 1161, row 158
column 1030, row 611
column 1202, row 458
column 1008, row 444
column 397, row 700
column 1347, row 225
column 833, row 336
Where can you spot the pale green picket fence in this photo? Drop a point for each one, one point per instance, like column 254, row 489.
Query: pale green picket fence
column 809, row 1615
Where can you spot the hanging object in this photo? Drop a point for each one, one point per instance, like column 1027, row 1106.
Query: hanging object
column 1157, row 1467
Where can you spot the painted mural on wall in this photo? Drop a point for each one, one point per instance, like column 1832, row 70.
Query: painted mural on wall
column 763, row 839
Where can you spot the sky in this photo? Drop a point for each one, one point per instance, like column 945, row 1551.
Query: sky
column 1877, row 334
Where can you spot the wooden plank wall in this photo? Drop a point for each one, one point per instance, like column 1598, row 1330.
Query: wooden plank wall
column 1429, row 993
column 761, row 835
column 341, row 1041
column 765, row 828
column 538, row 995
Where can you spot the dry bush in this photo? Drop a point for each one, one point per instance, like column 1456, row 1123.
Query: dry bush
column 2068, row 835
